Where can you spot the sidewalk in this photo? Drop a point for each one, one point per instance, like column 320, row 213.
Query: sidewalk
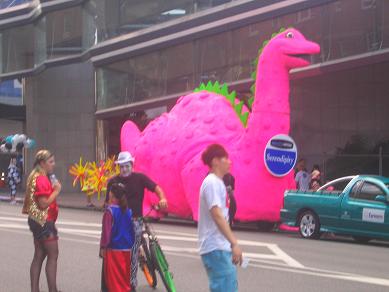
column 78, row 201
column 64, row 200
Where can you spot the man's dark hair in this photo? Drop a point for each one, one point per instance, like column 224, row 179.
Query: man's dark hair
column 213, row 151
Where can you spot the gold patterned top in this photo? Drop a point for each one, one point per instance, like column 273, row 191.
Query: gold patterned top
column 30, row 206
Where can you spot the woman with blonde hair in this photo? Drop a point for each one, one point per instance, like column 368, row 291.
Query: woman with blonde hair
column 42, row 209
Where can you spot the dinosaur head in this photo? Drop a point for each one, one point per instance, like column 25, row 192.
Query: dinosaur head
column 292, row 49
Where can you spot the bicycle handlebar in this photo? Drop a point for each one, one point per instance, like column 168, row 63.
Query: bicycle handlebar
column 153, row 208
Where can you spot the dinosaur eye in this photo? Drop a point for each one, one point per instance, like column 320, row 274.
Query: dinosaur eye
column 289, row 35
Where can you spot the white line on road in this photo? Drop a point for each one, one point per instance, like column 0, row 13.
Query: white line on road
column 17, row 226
column 59, row 222
column 196, row 251
column 293, row 266
column 16, row 214
column 333, row 275
column 306, row 271
column 177, row 233
column 284, row 256
column 277, row 253
column 61, row 238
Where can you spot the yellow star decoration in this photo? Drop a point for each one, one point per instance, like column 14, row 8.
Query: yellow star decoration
column 79, row 172
column 94, row 176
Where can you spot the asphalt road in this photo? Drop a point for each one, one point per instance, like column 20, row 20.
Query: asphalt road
column 278, row 261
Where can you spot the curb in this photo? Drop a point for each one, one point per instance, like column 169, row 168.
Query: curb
column 6, row 199
column 166, row 220
column 173, row 220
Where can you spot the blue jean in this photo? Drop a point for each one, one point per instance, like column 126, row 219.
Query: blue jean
column 221, row 271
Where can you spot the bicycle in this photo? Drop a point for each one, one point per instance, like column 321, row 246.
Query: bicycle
column 151, row 258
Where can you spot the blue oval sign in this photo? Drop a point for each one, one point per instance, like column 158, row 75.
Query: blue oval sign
column 280, row 155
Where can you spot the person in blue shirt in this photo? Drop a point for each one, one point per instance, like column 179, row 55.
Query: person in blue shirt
column 117, row 239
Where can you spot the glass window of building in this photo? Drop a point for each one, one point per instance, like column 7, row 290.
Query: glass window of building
column 125, row 16
column 17, row 47
column 64, row 32
column 11, row 92
column 4, row 4
column 339, row 120
column 146, row 77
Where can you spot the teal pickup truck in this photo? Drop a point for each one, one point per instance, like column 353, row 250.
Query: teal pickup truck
column 354, row 205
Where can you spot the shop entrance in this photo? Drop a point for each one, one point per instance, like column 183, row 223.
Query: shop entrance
column 108, row 131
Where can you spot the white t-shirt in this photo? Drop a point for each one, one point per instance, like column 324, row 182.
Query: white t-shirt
column 303, row 179
column 212, row 193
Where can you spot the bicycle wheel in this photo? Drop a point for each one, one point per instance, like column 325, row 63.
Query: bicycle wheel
column 162, row 266
column 146, row 264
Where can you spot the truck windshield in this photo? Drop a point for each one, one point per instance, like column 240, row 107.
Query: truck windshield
column 337, row 186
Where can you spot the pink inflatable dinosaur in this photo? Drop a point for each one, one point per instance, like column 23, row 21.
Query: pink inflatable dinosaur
column 169, row 149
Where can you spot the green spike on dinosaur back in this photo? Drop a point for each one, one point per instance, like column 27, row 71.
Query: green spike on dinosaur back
column 244, row 118
column 238, row 108
column 251, row 101
column 231, row 96
column 224, row 90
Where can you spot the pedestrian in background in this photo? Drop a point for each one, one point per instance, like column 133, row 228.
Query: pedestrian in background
column 13, row 179
column 219, row 247
column 302, row 177
column 42, row 209
column 117, row 239
column 229, row 182
column 315, row 178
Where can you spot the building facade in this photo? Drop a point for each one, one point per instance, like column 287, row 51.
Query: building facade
column 87, row 66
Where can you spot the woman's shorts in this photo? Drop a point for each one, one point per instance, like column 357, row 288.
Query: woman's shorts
column 45, row 232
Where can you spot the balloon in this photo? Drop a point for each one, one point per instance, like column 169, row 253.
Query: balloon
column 8, row 139
column 30, row 143
column 15, row 143
column 18, row 139
column 3, row 148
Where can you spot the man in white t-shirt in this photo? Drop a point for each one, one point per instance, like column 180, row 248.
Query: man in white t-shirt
column 219, row 248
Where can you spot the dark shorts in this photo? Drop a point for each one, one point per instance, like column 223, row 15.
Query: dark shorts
column 45, row 232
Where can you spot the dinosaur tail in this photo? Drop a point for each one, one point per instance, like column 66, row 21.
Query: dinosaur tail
column 129, row 137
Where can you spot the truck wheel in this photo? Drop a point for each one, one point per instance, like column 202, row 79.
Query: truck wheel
column 361, row 239
column 309, row 225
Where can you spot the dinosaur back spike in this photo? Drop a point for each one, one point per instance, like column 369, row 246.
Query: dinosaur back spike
column 244, row 118
column 238, row 108
column 250, row 102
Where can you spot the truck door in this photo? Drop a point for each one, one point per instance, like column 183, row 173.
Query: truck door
column 349, row 206
column 365, row 214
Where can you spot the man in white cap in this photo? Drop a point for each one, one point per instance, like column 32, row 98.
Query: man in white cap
column 135, row 184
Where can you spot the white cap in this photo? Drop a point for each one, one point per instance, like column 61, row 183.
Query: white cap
column 124, row 157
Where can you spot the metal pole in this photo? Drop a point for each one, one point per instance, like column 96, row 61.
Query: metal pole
column 380, row 161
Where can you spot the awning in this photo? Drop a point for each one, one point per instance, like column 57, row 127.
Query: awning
column 13, row 112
